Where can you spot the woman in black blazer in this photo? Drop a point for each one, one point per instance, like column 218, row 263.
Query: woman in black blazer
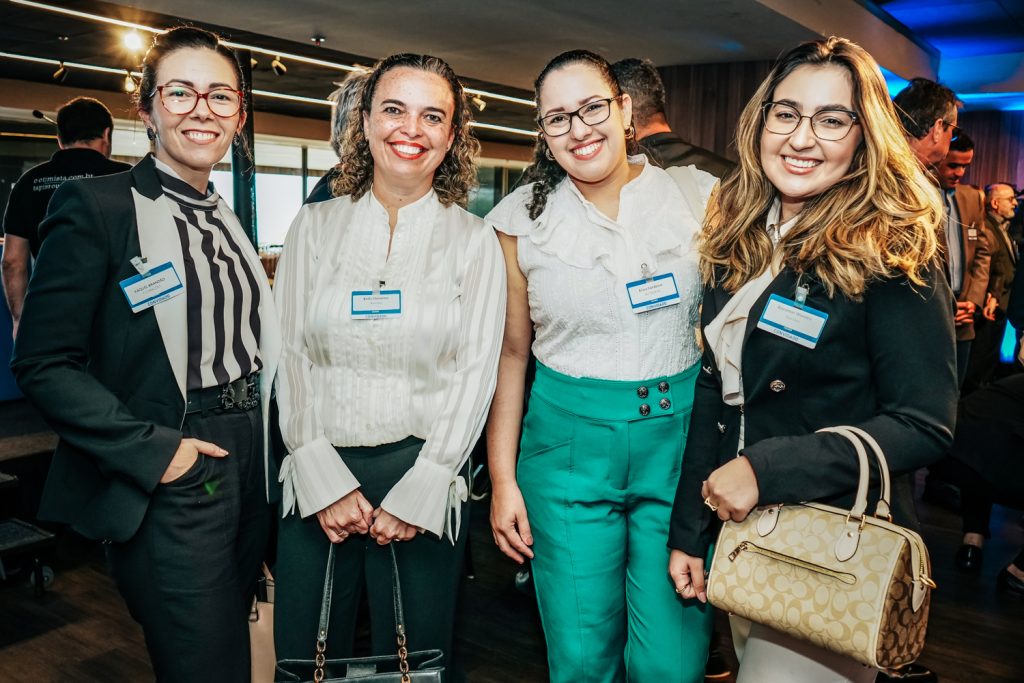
column 149, row 343
column 828, row 215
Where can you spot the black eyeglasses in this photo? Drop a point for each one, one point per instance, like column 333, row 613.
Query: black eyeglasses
column 828, row 124
column 956, row 130
column 591, row 114
column 182, row 100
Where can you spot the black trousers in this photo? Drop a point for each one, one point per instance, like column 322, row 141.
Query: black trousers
column 430, row 570
column 189, row 573
column 987, row 463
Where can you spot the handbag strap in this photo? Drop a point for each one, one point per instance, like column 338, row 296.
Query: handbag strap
column 884, row 500
column 860, row 501
column 325, row 618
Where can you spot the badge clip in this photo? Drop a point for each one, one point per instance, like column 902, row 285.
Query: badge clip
column 645, row 272
column 802, row 290
column 139, row 262
column 377, row 284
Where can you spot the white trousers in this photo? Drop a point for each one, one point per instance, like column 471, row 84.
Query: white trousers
column 769, row 656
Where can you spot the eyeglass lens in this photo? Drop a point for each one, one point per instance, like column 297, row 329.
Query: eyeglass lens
column 591, row 113
column 181, row 99
column 830, row 124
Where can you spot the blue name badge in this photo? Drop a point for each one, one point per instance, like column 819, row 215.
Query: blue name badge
column 368, row 305
column 787, row 319
column 153, row 287
column 657, row 292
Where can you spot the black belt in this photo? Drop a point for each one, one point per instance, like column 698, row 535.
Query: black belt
column 242, row 394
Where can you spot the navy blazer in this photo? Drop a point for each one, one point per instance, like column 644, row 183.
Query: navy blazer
column 885, row 363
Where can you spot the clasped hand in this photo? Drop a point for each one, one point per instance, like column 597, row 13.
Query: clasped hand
column 352, row 514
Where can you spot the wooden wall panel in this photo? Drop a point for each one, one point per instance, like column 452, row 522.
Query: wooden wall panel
column 704, row 101
column 998, row 146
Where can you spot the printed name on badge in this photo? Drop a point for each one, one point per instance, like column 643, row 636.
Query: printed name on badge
column 787, row 319
column 368, row 305
column 153, row 287
column 649, row 294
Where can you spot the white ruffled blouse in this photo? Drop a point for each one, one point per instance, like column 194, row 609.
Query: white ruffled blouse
column 577, row 262
column 428, row 373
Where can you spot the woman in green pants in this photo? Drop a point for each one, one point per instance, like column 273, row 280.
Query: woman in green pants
column 601, row 266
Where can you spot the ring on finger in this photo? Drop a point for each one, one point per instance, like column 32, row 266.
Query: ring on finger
column 707, row 501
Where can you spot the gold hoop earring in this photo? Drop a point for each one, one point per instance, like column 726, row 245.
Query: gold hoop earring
column 630, row 132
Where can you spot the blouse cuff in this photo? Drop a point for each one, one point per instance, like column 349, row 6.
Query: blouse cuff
column 430, row 497
column 314, row 476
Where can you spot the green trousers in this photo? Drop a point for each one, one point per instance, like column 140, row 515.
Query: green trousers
column 598, row 467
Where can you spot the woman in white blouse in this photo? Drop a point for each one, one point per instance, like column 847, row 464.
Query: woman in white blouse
column 602, row 267
column 392, row 303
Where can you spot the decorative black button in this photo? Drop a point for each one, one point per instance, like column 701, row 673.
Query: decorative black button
column 645, row 409
column 663, row 387
column 642, row 392
column 665, row 404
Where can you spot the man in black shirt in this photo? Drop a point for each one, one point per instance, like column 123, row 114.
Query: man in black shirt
column 84, row 127
column 639, row 79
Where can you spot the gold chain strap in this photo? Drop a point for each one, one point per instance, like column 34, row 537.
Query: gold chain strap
column 320, row 660
column 403, row 655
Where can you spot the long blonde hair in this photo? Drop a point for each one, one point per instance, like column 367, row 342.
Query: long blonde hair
column 880, row 219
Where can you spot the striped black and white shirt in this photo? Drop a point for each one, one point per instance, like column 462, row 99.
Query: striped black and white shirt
column 222, row 291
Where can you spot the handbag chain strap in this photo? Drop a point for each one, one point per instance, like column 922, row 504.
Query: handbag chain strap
column 325, row 618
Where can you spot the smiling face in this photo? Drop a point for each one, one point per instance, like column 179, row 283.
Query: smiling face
column 409, row 128
column 192, row 143
column 590, row 154
column 952, row 168
column 799, row 164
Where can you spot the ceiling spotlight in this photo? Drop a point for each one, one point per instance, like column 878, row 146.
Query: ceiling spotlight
column 318, row 40
column 278, row 66
column 130, row 85
column 479, row 103
column 132, row 41
column 62, row 38
column 253, row 63
column 61, row 73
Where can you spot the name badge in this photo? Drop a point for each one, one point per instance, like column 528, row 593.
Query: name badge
column 972, row 234
column 368, row 305
column 153, row 287
column 658, row 292
column 787, row 319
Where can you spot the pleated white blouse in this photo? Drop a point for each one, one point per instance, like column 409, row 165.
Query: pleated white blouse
column 429, row 372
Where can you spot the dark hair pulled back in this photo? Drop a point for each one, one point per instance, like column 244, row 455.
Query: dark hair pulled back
column 545, row 173
column 180, row 38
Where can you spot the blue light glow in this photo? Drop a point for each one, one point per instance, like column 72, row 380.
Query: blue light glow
column 1009, row 345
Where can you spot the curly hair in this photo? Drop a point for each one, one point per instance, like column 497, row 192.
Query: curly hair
column 455, row 176
column 544, row 171
column 880, row 219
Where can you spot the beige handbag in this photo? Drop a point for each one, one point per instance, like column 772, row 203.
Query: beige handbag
column 261, row 631
column 843, row 580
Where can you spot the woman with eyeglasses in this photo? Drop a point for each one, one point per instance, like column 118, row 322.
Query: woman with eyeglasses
column 599, row 251
column 149, row 343
column 828, row 222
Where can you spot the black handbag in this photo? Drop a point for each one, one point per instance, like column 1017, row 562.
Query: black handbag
column 424, row 666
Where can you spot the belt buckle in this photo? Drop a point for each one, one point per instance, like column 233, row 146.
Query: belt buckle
column 242, row 394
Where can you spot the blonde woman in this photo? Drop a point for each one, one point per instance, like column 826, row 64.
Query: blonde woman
column 828, row 219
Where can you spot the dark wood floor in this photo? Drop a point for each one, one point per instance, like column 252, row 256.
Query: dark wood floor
column 79, row 631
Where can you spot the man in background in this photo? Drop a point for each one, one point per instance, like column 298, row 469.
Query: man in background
column 968, row 253
column 640, row 80
column 84, row 128
column 1000, row 204
column 927, row 111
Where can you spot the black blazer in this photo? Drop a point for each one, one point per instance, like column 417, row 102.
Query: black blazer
column 886, row 364
column 110, row 382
